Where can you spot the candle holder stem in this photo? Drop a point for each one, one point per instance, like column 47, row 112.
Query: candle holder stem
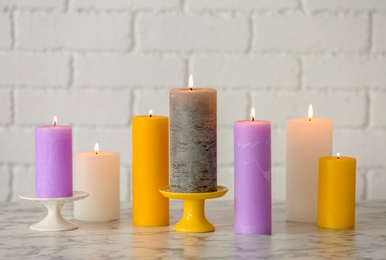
column 193, row 219
column 54, row 220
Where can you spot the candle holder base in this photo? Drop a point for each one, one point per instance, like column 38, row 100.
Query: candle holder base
column 54, row 220
column 193, row 219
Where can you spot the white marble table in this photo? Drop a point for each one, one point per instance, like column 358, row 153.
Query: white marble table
column 119, row 239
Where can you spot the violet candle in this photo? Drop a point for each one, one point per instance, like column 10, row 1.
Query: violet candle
column 53, row 161
column 252, row 166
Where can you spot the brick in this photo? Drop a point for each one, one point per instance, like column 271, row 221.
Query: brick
column 17, row 145
column 40, row 31
column 278, row 148
column 344, row 72
column 378, row 110
column 5, row 180
column 303, row 33
column 5, row 31
column 231, row 106
column 5, row 106
column 376, row 185
column 360, row 189
column 42, row 70
column 379, row 32
column 225, row 146
column 366, row 146
column 176, row 32
column 344, row 109
column 109, row 139
column 253, row 72
column 125, row 185
column 23, row 180
column 75, row 107
column 278, row 180
column 241, row 5
column 156, row 99
column 118, row 5
column 344, row 5
column 28, row 4
column 225, row 177
column 125, row 70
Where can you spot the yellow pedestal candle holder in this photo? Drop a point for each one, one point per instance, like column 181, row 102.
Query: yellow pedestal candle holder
column 193, row 219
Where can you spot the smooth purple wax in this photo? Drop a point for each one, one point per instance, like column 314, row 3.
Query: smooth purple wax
column 53, row 161
column 252, row 154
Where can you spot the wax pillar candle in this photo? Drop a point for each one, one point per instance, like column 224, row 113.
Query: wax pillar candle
column 98, row 174
column 193, row 140
column 307, row 139
column 150, row 170
column 53, row 161
column 252, row 166
column 336, row 192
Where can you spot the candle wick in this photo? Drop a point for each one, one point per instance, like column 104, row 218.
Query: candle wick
column 253, row 119
column 191, row 89
column 151, row 115
column 54, row 123
column 96, row 152
column 309, row 119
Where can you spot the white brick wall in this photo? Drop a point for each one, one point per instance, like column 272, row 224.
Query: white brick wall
column 84, row 32
column 96, row 63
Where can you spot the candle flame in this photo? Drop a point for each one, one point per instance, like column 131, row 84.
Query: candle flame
column 96, row 148
column 191, row 82
column 253, row 114
column 151, row 112
column 337, row 155
column 55, row 120
column 310, row 112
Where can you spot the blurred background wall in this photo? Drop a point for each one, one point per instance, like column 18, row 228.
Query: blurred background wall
column 96, row 63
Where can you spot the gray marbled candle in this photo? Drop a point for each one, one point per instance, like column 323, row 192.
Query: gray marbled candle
column 193, row 140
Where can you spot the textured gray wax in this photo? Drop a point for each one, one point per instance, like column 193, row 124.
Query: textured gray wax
column 193, row 140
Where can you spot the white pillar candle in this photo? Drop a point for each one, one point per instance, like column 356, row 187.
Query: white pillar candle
column 307, row 140
column 98, row 174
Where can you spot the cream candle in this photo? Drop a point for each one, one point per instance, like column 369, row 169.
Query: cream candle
column 53, row 161
column 98, row 174
column 193, row 139
column 307, row 139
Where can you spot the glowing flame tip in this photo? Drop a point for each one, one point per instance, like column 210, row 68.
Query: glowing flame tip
column 253, row 113
column 191, row 81
column 310, row 112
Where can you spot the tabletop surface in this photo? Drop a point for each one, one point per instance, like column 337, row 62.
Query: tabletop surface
column 119, row 239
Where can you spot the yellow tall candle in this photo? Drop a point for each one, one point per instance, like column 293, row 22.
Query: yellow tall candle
column 336, row 192
column 150, row 170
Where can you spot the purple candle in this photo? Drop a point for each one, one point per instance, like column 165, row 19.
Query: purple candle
column 53, row 161
column 252, row 146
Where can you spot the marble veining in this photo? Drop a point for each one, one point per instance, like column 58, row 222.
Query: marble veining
column 119, row 239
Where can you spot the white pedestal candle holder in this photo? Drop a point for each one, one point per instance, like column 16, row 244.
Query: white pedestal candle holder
column 54, row 220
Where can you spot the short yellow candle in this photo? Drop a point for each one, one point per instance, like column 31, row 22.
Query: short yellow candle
column 150, row 170
column 336, row 192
